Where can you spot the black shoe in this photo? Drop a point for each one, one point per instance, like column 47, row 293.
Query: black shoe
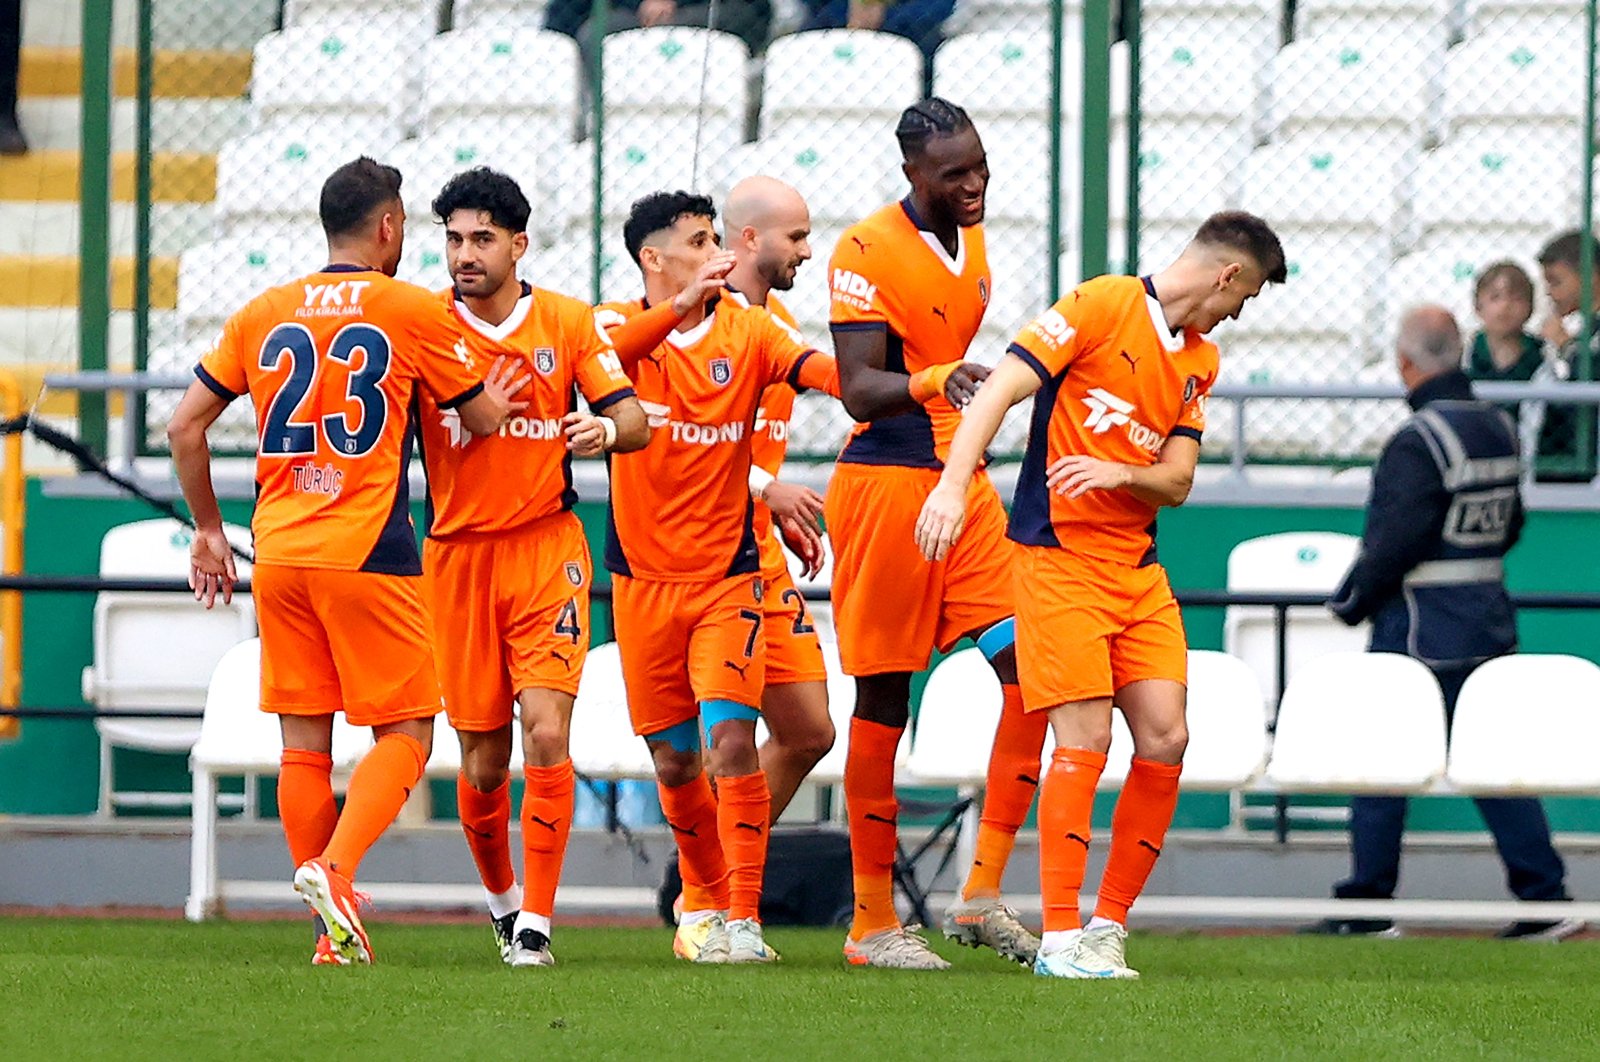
column 1352, row 927
column 531, row 948
column 504, row 929
column 1545, row 931
column 12, row 142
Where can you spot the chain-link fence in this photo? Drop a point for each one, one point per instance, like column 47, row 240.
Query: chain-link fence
column 1399, row 146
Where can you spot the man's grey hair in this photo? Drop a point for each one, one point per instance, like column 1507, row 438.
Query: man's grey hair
column 1430, row 339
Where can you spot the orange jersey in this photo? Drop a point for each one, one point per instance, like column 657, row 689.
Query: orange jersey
column 680, row 509
column 524, row 472
column 771, row 442
column 890, row 273
column 332, row 363
column 1117, row 385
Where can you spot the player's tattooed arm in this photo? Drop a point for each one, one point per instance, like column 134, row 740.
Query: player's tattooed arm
column 622, row 429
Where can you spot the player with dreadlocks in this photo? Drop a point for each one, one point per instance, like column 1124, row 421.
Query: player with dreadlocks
column 910, row 284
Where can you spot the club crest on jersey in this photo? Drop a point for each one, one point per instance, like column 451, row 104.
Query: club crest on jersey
column 544, row 359
column 574, row 573
column 983, row 290
column 721, row 371
column 1188, row 388
column 755, row 587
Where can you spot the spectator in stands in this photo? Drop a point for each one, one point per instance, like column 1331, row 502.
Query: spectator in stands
column 1502, row 348
column 920, row 21
column 747, row 19
column 1567, row 430
column 1430, row 576
column 11, row 139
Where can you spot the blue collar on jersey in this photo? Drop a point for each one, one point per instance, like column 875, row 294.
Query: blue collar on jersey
column 1150, row 287
column 347, row 267
column 916, row 218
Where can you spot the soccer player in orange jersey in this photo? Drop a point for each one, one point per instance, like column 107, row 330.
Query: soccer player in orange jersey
column 686, row 568
column 910, row 284
column 333, row 363
column 1119, row 370
column 507, row 564
column 768, row 227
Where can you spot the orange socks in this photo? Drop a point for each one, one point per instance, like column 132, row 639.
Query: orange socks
column 484, row 819
column 546, row 825
column 1138, row 830
column 1013, row 778
column 691, row 812
column 873, row 813
column 305, row 802
column 1066, row 801
column 743, row 807
column 379, row 788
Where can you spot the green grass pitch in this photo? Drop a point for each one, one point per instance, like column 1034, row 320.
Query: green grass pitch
column 79, row 988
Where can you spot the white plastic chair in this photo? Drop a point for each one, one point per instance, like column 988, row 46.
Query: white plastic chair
column 424, row 13
column 1014, row 61
column 1509, row 80
column 428, row 162
column 1192, row 73
column 154, row 652
column 474, row 14
column 1528, row 724
column 274, row 177
column 841, row 179
column 1328, row 294
column 657, row 72
column 237, row 738
column 644, row 154
column 1359, row 723
column 1327, row 180
column 1554, row 17
column 1374, row 81
column 1521, row 181
column 1227, row 723
column 351, row 70
column 1419, row 20
column 604, row 745
column 1290, row 562
column 536, row 76
column 869, row 76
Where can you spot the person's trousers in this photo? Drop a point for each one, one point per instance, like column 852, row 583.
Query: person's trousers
column 1534, row 870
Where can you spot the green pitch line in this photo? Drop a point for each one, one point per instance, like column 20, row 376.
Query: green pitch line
column 132, row 990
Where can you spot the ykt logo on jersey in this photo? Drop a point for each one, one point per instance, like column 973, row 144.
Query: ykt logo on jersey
column 544, row 359
column 721, row 371
column 1107, row 411
column 333, row 300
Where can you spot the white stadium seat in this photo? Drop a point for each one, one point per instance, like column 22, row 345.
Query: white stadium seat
column 216, row 279
column 1013, row 65
column 644, row 155
column 1181, row 181
column 276, row 175
column 1327, row 294
column 1012, row 16
column 1254, row 25
column 956, row 720
column 1510, row 79
column 842, row 179
column 315, row 72
column 1429, row 21
column 1522, row 186
column 427, row 162
column 1376, row 83
column 1557, row 17
column 1227, row 723
column 136, row 667
column 499, row 14
column 424, row 14
column 1359, row 723
column 1190, row 77
column 870, row 77
column 662, row 71
column 1290, row 562
column 1527, row 724
column 1335, row 187
column 535, row 75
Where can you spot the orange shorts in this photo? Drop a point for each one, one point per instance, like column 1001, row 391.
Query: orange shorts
column 1087, row 627
column 683, row 643
column 355, row 642
column 510, row 612
column 793, row 652
column 891, row 607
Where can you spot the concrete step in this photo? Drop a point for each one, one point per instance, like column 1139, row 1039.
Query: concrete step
column 174, row 74
column 48, row 336
column 177, row 24
column 53, row 281
column 28, row 228
column 182, row 126
column 52, row 176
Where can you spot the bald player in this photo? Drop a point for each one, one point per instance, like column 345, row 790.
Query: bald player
column 767, row 226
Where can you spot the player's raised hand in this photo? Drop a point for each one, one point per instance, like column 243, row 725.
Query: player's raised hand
column 804, row 541
column 503, row 382
column 943, row 516
column 1075, row 475
column 211, row 568
column 706, row 283
column 794, row 502
column 586, row 434
column 963, row 383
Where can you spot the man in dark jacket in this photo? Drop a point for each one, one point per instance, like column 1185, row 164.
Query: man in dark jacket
column 1443, row 512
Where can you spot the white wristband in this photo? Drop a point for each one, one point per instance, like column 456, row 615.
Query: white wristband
column 760, row 479
column 608, row 426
